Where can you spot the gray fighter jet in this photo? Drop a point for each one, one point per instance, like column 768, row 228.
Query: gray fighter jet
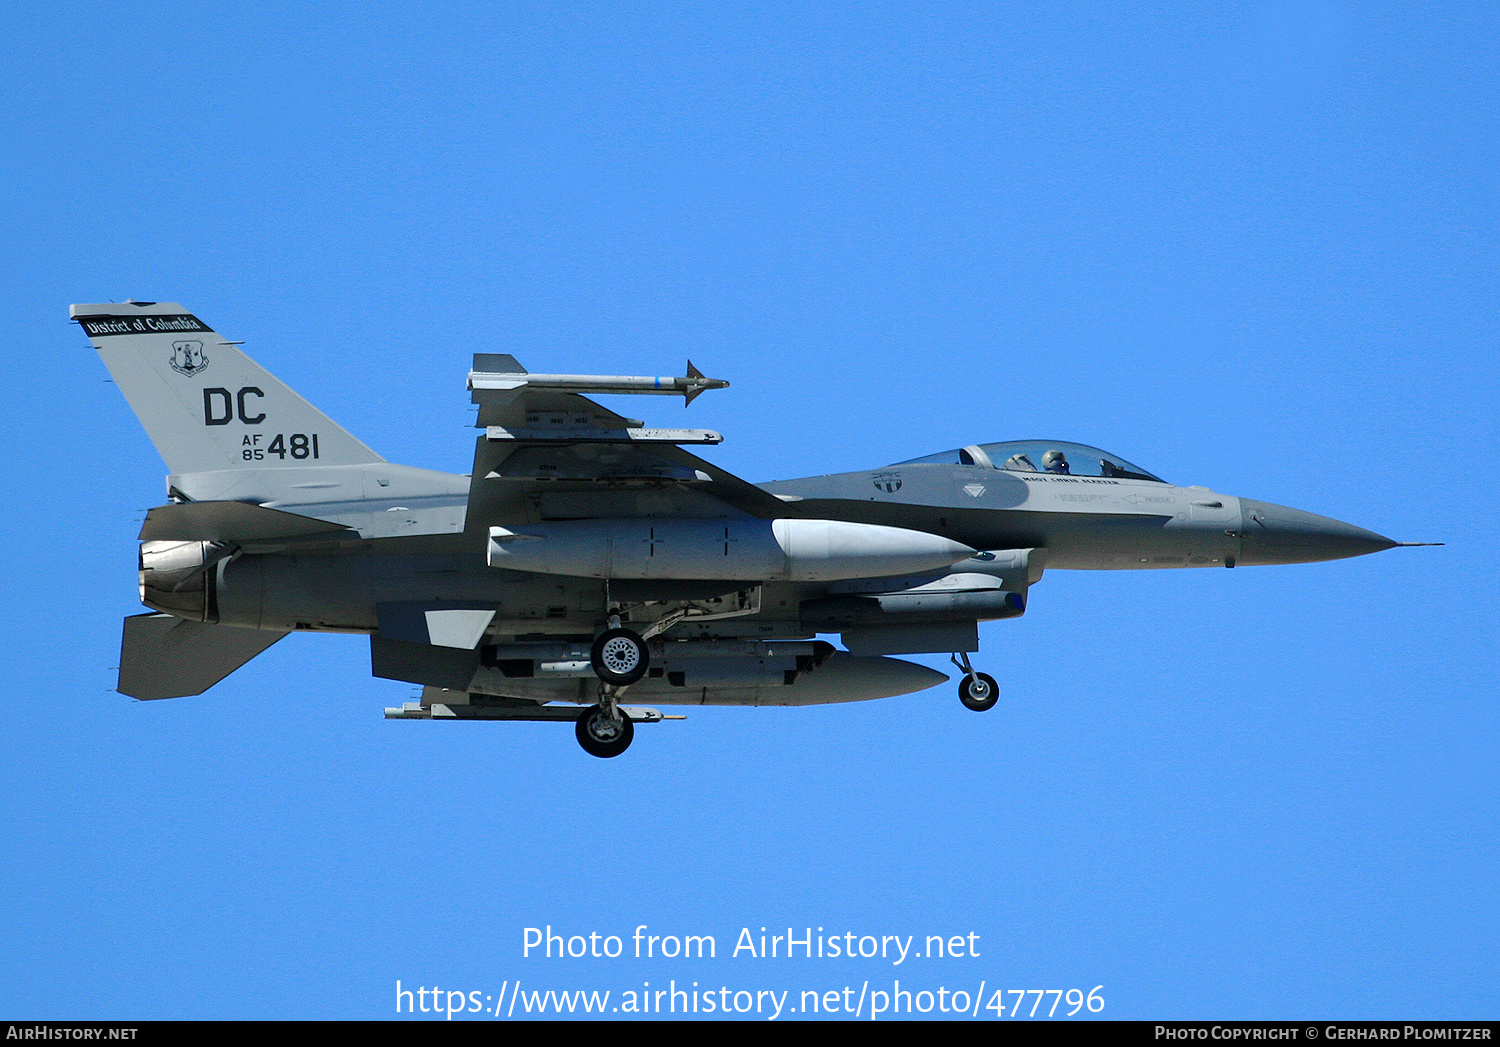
column 588, row 555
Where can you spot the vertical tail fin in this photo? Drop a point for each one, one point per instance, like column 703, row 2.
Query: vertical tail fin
column 206, row 405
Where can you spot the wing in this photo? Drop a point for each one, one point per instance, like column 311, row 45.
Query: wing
column 548, row 453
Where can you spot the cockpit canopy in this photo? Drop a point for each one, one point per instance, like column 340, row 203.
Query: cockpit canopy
column 1041, row 456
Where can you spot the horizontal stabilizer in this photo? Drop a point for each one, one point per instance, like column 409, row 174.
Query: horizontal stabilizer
column 166, row 657
column 231, row 522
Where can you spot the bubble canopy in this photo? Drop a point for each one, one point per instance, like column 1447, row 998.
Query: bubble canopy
column 1041, row 456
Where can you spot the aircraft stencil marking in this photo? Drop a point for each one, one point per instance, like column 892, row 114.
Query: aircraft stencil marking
column 587, row 556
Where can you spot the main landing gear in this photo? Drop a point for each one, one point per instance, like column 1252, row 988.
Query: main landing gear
column 604, row 730
column 978, row 691
column 620, row 657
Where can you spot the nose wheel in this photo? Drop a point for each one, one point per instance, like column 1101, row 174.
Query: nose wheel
column 978, row 691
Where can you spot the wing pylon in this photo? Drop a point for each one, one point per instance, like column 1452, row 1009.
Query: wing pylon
column 549, row 453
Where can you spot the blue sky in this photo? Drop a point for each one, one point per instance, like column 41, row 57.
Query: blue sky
column 1248, row 245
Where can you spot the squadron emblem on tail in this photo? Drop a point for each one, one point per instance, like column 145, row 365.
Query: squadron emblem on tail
column 188, row 358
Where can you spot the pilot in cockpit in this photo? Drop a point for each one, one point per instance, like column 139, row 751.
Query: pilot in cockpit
column 1054, row 461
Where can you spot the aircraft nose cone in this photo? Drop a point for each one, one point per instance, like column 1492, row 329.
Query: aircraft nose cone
column 1276, row 534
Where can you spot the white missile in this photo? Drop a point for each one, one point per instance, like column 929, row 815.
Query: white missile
column 688, row 386
column 738, row 550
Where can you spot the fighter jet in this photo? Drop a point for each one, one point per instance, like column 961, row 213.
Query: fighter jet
column 588, row 558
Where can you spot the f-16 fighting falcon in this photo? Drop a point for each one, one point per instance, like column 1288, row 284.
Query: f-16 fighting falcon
column 588, row 558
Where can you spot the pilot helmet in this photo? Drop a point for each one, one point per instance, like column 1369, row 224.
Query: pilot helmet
column 1054, row 461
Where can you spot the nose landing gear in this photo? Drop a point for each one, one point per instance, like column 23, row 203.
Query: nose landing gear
column 978, row 691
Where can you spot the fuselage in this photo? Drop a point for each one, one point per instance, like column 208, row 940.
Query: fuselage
column 1083, row 522
column 588, row 553
column 1091, row 510
column 411, row 543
